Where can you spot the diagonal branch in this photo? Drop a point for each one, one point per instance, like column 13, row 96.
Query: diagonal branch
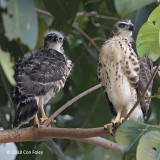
column 87, row 37
column 143, row 94
column 46, row 123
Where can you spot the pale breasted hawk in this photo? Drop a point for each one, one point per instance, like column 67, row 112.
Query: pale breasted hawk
column 123, row 75
column 39, row 75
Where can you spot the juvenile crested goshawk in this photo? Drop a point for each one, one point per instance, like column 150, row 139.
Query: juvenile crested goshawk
column 39, row 75
column 123, row 75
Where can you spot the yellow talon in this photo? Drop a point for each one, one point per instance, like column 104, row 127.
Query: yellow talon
column 43, row 119
column 118, row 120
column 110, row 127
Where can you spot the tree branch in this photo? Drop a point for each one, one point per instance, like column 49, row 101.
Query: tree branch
column 87, row 37
column 41, row 133
column 155, row 68
column 85, row 14
column 101, row 142
column 143, row 94
column 46, row 123
column 96, row 15
column 74, row 27
column 40, row 11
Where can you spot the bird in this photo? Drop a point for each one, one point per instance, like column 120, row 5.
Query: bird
column 124, row 75
column 39, row 76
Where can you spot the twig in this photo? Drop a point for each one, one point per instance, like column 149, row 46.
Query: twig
column 73, row 26
column 85, row 14
column 143, row 94
column 99, row 141
column 149, row 96
column 46, row 13
column 155, row 68
column 96, row 15
column 87, row 37
column 69, row 103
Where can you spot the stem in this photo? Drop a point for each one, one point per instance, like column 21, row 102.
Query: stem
column 149, row 96
column 46, row 123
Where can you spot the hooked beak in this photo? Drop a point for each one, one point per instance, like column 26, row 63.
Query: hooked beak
column 131, row 27
column 55, row 38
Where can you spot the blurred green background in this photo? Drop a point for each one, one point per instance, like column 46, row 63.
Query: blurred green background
column 22, row 27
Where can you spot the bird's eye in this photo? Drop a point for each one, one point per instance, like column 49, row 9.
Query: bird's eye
column 60, row 40
column 49, row 37
column 121, row 25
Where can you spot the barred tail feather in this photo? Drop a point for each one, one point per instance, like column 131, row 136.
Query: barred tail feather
column 17, row 96
column 26, row 111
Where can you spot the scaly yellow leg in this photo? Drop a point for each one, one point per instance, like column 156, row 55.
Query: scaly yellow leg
column 36, row 121
column 44, row 117
column 117, row 119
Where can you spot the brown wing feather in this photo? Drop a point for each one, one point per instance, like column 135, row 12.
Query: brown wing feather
column 146, row 70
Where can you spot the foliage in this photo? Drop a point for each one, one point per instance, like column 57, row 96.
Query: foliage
column 7, row 66
column 149, row 146
column 127, row 135
column 21, row 31
column 148, row 40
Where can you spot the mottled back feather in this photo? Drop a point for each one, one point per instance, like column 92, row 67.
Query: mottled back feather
column 38, row 72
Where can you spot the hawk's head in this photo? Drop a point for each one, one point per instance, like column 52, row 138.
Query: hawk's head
column 54, row 40
column 123, row 28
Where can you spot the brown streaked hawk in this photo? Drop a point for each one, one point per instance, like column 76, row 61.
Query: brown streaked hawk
column 39, row 75
column 123, row 75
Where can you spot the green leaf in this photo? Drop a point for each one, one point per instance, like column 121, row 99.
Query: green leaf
column 63, row 12
column 159, row 38
column 149, row 146
column 124, row 7
column 154, row 17
column 128, row 134
column 148, row 36
column 21, row 22
column 7, row 66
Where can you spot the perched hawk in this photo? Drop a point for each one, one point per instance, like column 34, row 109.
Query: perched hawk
column 39, row 75
column 123, row 75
